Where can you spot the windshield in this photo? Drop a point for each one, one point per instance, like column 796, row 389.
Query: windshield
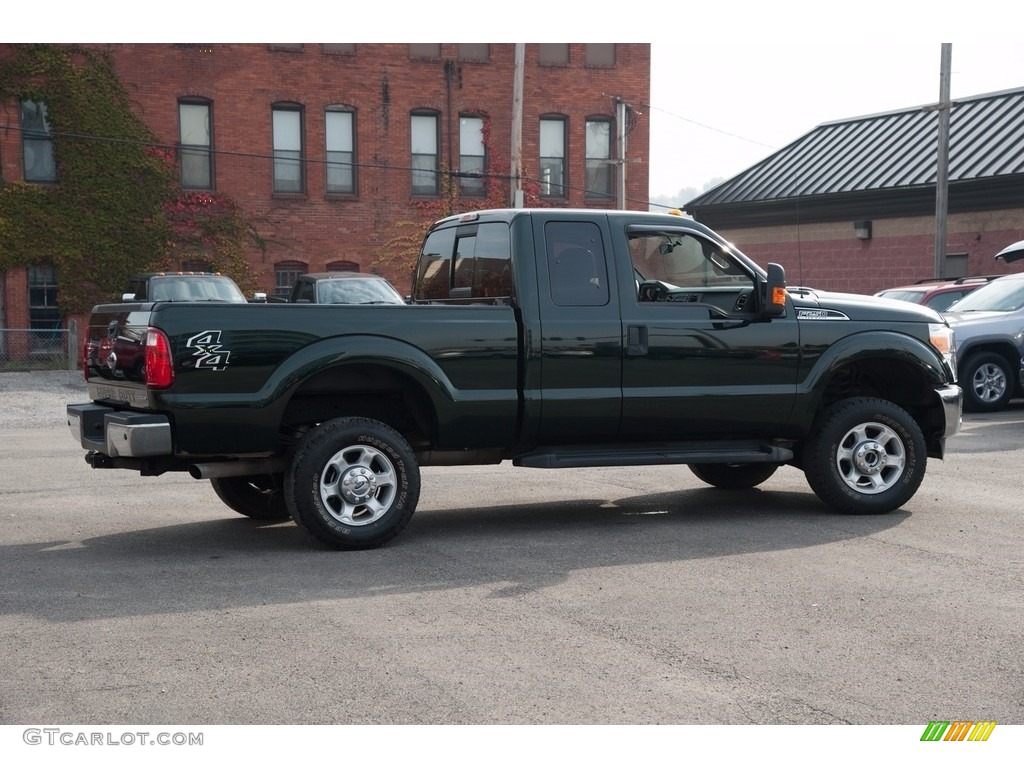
column 1002, row 295
column 189, row 288
column 358, row 291
column 914, row 296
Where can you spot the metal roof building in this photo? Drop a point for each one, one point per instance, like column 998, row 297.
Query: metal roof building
column 886, row 161
column 883, row 168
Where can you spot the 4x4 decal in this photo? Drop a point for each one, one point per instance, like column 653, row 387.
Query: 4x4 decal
column 208, row 351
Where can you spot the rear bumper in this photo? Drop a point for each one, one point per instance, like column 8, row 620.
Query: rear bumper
column 115, row 433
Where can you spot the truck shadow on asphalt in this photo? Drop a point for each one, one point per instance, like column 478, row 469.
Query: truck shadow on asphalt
column 235, row 562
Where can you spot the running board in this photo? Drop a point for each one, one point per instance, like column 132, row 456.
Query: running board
column 568, row 456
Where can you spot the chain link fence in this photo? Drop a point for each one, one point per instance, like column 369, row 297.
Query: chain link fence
column 39, row 349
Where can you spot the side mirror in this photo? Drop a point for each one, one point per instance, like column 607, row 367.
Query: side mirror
column 127, row 297
column 774, row 292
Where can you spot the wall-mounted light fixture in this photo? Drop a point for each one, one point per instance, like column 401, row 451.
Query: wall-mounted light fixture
column 862, row 229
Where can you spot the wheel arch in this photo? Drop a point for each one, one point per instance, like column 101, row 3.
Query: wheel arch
column 392, row 393
column 887, row 365
column 1005, row 348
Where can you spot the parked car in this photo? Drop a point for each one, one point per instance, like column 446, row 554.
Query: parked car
column 936, row 294
column 344, row 288
column 989, row 328
column 183, row 286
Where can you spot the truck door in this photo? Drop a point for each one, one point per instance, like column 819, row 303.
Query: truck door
column 699, row 361
column 581, row 333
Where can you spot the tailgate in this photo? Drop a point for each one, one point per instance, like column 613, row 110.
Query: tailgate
column 114, row 352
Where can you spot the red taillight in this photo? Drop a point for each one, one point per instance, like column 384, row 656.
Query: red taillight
column 159, row 365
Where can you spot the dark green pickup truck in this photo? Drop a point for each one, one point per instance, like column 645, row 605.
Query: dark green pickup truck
column 546, row 337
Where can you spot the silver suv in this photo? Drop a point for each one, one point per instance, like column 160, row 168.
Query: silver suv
column 989, row 328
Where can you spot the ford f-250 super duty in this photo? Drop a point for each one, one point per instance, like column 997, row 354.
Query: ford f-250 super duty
column 545, row 337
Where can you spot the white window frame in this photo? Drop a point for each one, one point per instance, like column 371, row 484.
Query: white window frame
column 424, row 144
column 195, row 131
column 553, row 167
column 340, row 140
column 289, row 166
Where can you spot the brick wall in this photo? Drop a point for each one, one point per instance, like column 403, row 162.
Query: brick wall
column 901, row 251
column 383, row 85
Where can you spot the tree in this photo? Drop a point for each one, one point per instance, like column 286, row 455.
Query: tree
column 116, row 207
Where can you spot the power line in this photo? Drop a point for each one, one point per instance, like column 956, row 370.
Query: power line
column 270, row 157
column 710, row 128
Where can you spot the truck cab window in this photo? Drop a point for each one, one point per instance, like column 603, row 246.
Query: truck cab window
column 466, row 263
column 576, row 264
column 433, row 272
column 666, row 262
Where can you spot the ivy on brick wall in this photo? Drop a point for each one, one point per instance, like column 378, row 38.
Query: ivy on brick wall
column 116, row 208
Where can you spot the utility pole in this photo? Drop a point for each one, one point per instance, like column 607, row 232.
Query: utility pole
column 516, row 163
column 944, row 108
column 620, row 123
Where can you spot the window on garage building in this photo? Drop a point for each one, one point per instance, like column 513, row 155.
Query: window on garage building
column 472, row 157
column 285, row 275
column 37, row 142
column 474, row 51
column 553, row 54
column 600, row 54
column 342, row 266
column 339, row 49
column 43, row 315
column 287, row 127
column 425, row 51
column 552, row 157
column 598, row 157
column 196, row 140
column 424, row 147
column 341, row 147
column 196, row 265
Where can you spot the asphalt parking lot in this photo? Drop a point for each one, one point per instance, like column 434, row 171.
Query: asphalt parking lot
column 515, row 596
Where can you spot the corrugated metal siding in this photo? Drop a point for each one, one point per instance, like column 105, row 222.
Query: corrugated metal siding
column 889, row 151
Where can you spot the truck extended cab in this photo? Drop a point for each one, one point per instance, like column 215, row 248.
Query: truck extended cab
column 545, row 337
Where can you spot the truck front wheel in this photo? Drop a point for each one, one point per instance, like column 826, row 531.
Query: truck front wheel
column 733, row 476
column 865, row 456
column 257, row 496
column 353, row 483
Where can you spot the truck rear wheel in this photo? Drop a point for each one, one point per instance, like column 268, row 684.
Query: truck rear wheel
column 733, row 476
column 353, row 483
column 258, row 496
column 865, row 456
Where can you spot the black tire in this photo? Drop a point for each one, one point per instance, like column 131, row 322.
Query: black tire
column 733, row 476
column 353, row 483
column 987, row 382
column 865, row 456
column 258, row 496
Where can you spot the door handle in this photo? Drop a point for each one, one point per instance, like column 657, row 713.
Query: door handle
column 636, row 340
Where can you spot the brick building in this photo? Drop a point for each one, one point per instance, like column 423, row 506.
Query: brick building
column 326, row 146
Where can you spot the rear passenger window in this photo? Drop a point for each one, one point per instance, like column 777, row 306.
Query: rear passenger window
column 576, row 264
